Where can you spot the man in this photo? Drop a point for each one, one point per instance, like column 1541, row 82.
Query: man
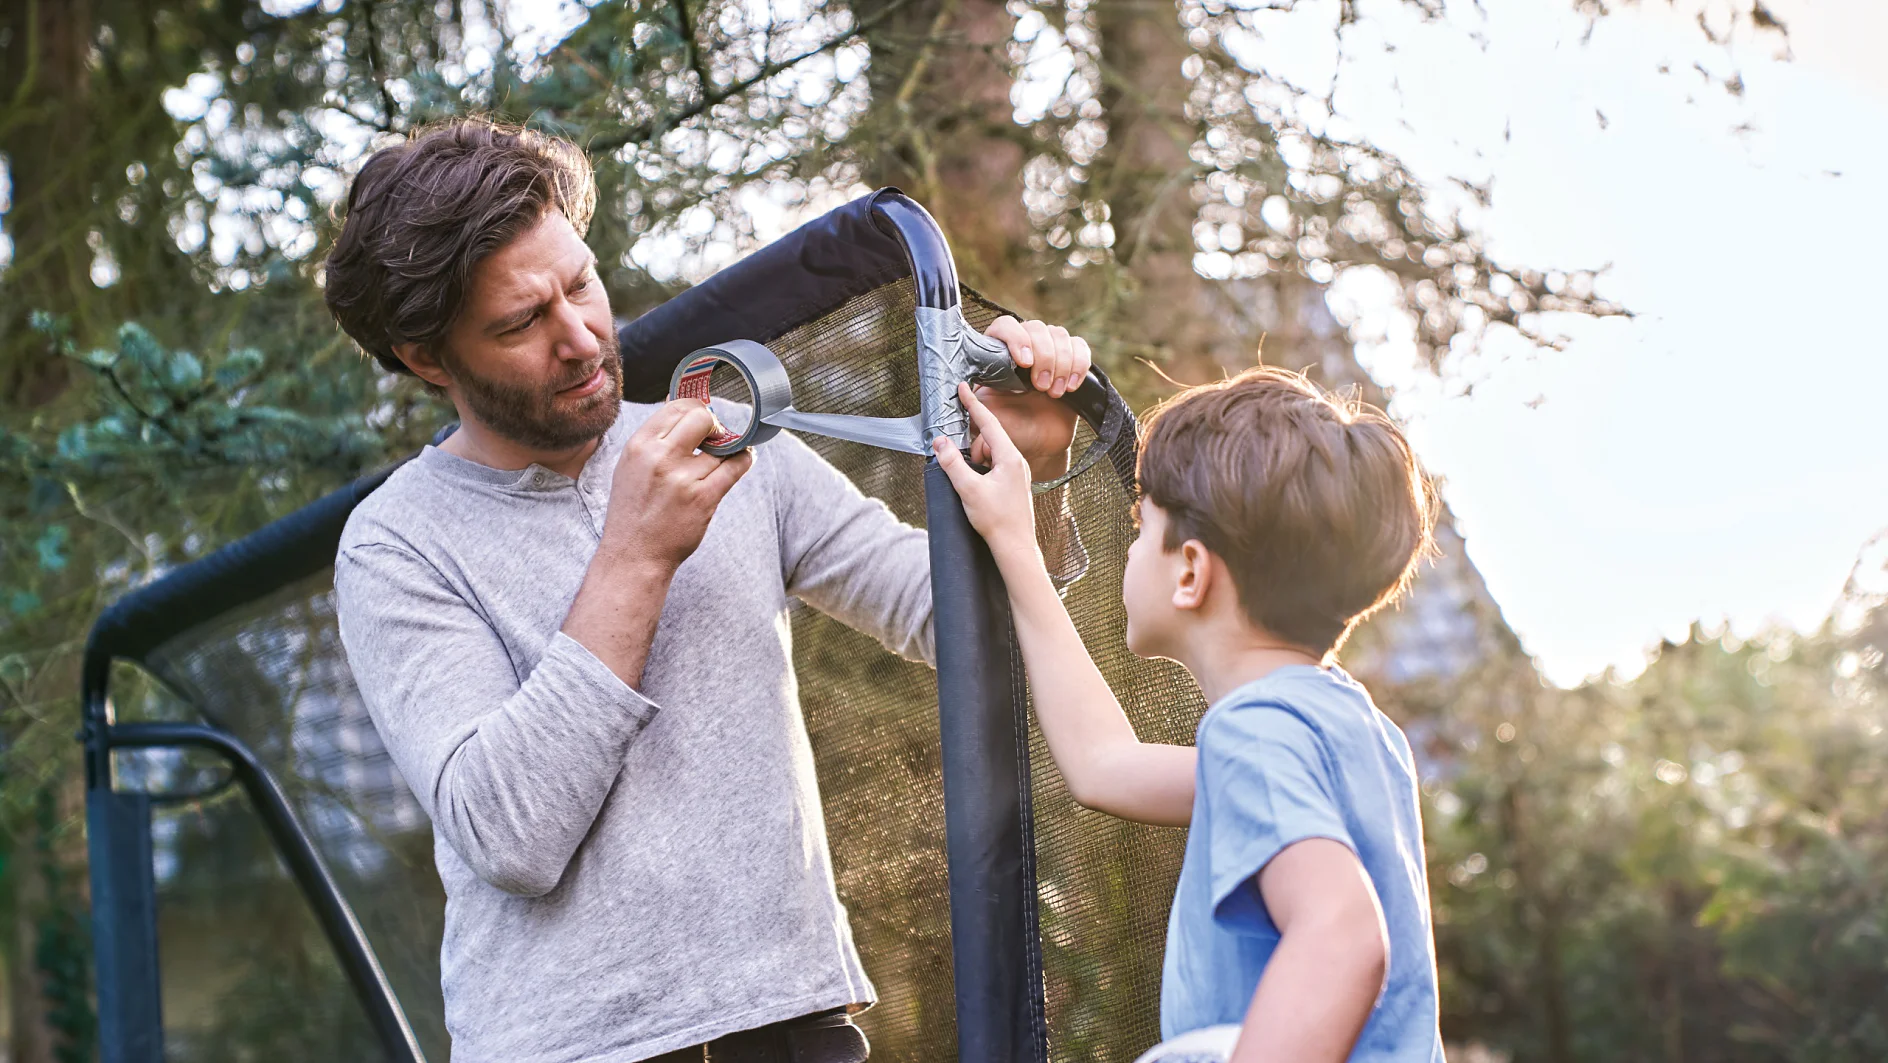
column 569, row 627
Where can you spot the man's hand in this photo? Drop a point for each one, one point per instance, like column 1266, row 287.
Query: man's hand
column 664, row 492
column 1041, row 427
column 661, row 498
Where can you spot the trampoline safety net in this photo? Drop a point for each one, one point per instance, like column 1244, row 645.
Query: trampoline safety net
column 239, row 950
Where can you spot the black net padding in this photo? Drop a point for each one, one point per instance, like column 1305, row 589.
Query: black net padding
column 273, row 673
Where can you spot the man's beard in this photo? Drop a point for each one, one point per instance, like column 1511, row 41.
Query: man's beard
column 530, row 417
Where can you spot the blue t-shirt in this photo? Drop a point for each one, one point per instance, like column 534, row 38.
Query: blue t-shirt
column 1301, row 753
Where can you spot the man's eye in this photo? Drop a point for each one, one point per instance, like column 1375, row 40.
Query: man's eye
column 522, row 325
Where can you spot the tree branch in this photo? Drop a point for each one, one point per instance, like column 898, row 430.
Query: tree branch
column 686, row 27
column 374, row 67
column 642, row 131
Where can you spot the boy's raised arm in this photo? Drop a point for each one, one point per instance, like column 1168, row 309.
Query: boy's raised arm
column 1325, row 975
column 1106, row 766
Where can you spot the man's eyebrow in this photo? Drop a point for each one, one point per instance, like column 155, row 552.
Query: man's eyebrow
column 507, row 322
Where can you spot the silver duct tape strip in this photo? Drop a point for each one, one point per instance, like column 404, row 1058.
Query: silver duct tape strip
column 951, row 352
column 767, row 382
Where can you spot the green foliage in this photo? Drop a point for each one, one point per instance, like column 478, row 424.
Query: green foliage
column 63, row 956
column 1689, row 865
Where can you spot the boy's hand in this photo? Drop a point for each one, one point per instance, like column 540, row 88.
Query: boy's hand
column 997, row 501
column 1040, row 427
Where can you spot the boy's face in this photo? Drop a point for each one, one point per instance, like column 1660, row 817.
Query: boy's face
column 1148, row 585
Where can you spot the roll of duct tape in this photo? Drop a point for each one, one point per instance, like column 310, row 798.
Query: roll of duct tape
column 766, row 381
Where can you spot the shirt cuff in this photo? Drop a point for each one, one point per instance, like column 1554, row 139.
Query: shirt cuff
column 582, row 678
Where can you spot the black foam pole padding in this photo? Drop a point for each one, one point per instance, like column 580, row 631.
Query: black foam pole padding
column 124, row 927
column 271, row 557
column 985, row 840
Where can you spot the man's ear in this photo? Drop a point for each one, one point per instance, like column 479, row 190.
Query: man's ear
column 1194, row 572
column 424, row 365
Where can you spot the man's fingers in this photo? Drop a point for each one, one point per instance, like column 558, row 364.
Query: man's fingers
column 692, row 426
column 666, row 416
column 1064, row 361
column 727, row 472
column 1042, row 369
column 699, row 465
column 1083, row 360
column 980, row 451
column 1011, row 332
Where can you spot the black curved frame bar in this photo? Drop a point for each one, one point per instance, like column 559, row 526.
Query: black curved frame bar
column 118, row 824
column 306, row 866
column 996, row 949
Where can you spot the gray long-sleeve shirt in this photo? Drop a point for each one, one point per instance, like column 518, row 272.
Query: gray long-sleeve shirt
column 627, row 872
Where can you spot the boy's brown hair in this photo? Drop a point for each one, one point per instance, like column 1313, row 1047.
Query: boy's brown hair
column 1315, row 502
column 423, row 214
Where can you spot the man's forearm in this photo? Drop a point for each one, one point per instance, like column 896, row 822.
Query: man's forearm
column 617, row 608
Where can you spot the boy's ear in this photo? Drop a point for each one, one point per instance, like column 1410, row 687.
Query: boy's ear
column 423, row 363
column 1194, row 575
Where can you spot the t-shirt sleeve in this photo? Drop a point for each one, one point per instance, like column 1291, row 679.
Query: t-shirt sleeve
column 1269, row 784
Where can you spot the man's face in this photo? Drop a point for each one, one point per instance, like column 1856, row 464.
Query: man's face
column 533, row 355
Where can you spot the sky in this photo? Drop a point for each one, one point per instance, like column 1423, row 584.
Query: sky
column 1722, row 456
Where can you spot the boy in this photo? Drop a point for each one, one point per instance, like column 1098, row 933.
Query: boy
column 1273, row 518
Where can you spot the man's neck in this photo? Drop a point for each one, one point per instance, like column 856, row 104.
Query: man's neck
column 475, row 443
column 1223, row 661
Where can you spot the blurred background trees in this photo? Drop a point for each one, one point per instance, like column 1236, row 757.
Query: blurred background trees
column 1685, row 866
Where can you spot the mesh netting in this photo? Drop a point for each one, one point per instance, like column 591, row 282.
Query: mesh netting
column 275, row 675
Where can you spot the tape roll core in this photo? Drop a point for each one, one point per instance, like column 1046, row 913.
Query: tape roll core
column 766, row 381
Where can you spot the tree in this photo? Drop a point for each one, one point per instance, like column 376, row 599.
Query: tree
column 1684, row 865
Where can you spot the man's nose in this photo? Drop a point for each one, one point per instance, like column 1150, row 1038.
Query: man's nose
column 575, row 342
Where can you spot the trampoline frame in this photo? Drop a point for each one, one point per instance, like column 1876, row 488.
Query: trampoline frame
column 996, row 952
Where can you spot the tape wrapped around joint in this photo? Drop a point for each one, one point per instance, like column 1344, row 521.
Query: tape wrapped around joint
column 766, row 381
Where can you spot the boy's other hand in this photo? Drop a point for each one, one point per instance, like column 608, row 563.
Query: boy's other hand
column 997, row 502
column 1040, row 427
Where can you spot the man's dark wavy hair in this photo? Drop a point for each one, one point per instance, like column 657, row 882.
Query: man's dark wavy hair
column 423, row 214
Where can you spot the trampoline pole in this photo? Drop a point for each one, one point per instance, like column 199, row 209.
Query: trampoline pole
column 990, row 890
column 305, row 865
column 996, row 958
column 124, row 888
